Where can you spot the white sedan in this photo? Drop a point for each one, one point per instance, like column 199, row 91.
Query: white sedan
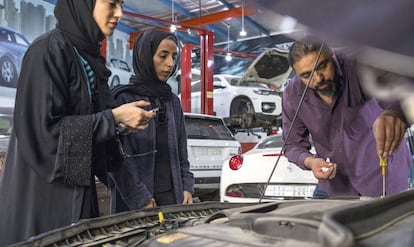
column 244, row 177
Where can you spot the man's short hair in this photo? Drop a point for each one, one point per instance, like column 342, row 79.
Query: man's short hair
column 304, row 46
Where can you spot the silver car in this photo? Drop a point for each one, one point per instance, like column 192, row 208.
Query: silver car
column 13, row 46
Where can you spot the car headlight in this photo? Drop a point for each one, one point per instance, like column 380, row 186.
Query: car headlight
column 268, row 107
column 262, row 92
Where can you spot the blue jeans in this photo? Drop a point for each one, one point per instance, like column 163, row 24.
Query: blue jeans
column 319, row 194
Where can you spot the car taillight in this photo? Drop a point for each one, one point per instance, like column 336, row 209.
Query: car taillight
column 235, row 162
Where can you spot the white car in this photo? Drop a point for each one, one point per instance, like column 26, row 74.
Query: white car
column 121, row 72
column 241, row 104
column 244, row 177
column 209, row 144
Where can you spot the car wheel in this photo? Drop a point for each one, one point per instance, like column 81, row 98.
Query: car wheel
column 115, row 81
column 8, row 72
column 242, row 113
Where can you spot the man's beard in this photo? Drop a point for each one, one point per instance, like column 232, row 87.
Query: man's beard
column 329, row 89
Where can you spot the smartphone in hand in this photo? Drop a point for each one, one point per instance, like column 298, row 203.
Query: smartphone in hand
column 156, row 109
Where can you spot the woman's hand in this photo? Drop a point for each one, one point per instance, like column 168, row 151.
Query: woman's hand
column 132, row 117
column 188, row 198
column 151, row 204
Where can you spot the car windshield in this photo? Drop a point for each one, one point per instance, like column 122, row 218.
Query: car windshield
column 207, row 128
column 234, row 81
column 275, row 141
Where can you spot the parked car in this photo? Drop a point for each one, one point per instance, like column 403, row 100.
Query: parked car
column 121, row 72
column 244, row 177
column 209, row 143
column 13, row 45
column 241, row 104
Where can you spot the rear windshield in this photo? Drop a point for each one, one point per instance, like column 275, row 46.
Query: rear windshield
column 203, row 128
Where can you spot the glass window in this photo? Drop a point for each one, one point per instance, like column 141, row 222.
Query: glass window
column 207, row 128
column 21, row 40
column 195, row 87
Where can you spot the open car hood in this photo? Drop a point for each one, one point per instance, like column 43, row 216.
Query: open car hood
column 340, row 222
column 270, row 67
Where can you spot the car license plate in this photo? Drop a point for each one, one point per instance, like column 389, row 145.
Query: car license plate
column 280, row 190
column 208, row 151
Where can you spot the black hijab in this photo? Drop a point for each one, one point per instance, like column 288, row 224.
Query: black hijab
column 75, row 19
column 145, row 76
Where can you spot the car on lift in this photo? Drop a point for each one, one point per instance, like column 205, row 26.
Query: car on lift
column 244, row 177
column 241, row 104
column 121, row 72
column 13, row 46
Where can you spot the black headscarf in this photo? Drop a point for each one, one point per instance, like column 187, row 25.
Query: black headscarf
column 145, row 76
column 75, row 19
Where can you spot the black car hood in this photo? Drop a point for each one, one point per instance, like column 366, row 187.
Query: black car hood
column 338, row 222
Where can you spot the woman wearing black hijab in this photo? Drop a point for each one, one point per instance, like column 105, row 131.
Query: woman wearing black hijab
column 63, row 124
column 158, row 159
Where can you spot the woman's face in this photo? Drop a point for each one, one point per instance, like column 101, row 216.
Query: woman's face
column 107, row 14
column 165, row 58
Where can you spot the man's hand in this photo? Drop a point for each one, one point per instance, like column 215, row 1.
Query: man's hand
column 320, row 168
column 188, row 198
column 388, row 130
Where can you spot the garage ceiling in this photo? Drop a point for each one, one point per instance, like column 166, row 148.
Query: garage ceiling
column 223, row 17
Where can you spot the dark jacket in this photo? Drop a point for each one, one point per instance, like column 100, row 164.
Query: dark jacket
column 138, row 192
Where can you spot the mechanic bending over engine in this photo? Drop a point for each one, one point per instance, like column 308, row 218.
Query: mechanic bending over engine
column 349, row 129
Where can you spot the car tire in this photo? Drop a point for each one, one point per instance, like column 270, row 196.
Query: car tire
column 242, row 113
column 115, row 81
column 8, row 72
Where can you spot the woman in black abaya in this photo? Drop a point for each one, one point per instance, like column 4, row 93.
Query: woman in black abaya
column 63, row 124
